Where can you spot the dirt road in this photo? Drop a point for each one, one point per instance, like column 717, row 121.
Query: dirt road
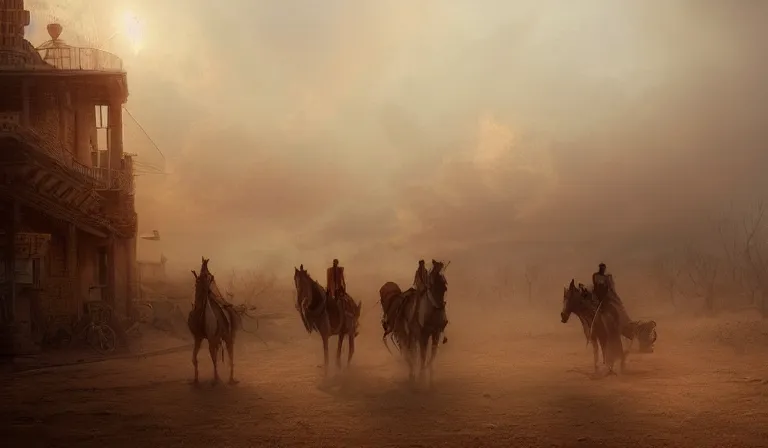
column 516, row 385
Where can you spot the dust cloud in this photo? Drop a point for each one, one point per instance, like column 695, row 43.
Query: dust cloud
column 523, row 141
column 384, row 133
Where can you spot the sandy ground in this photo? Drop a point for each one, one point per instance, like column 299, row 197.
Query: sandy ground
column 522, row 382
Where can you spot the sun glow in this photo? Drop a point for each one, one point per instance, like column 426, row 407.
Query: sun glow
column 133, row 29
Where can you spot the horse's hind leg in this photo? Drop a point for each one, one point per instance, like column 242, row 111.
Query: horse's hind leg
column 231, row 351
column 213, row 349
column 423, row 341
column 623, row 358
column 195, row 351
column 595, row 355
column 410, row 358
column 338, row 351
column 435, row 344
column 351, row 347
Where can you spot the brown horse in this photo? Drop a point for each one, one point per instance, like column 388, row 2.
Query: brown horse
column 213, row 319
column 601, row 328
column 414, row 319
column 326, row 316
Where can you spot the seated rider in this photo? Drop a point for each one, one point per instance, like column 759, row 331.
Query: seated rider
column 336, row 285
column 605, row 291
column 601, row 282
column 421, row 277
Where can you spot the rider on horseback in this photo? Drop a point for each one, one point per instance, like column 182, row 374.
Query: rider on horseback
column 421, row 277
column 605, row 291
column 336, row 287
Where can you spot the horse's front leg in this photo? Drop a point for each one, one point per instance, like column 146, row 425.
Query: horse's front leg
column 195, row 351
column 325, row 352
column 423, row 341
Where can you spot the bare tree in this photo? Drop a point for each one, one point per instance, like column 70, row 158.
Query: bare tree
column 755, row 253
column 504, row 285
column 669, row 269
column 532, row 274
column 249, row 287
column 703, row 269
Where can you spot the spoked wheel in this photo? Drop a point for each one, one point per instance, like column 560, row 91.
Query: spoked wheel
column 102, row 338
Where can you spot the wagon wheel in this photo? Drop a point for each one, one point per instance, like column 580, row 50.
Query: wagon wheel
column 102, row 339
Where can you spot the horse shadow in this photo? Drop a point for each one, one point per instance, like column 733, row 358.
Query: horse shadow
column 604, row 374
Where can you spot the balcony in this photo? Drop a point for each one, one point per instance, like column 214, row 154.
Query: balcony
column 101, row 178
column 64, row 57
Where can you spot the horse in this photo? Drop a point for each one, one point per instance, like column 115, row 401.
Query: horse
column 397, row 306
column 600, row 327
column 328, row 319
column 643, row 331
column 214, row 320
column 413, row 319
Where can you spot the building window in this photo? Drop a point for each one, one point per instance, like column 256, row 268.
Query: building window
column 102, row 136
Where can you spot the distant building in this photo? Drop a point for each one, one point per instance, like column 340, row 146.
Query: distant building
column 152, row 272
column 66, row 187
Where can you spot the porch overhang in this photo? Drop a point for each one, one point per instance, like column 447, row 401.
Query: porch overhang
column 39, row 182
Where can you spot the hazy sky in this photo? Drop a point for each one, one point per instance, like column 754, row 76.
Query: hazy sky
column 385, row 131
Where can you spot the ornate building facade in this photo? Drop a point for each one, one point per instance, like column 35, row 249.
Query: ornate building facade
column 68, row 230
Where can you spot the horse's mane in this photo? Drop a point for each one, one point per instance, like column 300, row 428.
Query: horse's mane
column 306, row 273
column 316, row 289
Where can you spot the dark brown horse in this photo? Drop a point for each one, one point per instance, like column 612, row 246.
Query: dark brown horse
column 413, row 319
column 601, row 328
column 329, row 317
column 214, row 320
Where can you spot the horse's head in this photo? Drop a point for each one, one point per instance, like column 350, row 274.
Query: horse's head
column 437, row 283
column 571, row 300
column 303, row 283
column 203, row 281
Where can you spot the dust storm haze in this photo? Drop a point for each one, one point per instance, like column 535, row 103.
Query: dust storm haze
column 384, row 132
column 509, row 137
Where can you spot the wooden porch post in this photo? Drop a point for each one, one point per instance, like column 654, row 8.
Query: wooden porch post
column 111, row 274
column 72, row 271
column 12, row 227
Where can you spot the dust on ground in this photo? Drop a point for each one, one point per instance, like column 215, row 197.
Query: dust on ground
column 505, row 380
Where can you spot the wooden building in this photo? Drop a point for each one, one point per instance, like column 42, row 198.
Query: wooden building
column 67, row 216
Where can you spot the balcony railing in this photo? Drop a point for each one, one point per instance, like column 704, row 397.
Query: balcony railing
column 102, row 178
column 65, row 57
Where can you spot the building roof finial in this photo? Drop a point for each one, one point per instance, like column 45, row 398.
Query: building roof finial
column 54, row 30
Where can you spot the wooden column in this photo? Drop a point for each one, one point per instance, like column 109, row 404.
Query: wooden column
column 115, row 135
column 12, row 227
column 111, row 272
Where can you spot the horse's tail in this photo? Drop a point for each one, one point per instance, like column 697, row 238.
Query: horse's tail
column 384, row 339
